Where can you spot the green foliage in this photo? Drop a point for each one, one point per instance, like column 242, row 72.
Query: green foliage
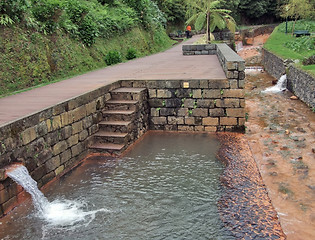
column 131, row 53
column 31, row 58
column 5, row 20
column 174, row 10
column 48, row 12
column 291, row 47
column 301, row 44
column 113, row 57
column 88, row 31
column 83, row 20
column 299, row 25
column 13, row 10
column 148, row 13
column 256, row 8
column 207, row 13
column 298, row 9
column 253, row 11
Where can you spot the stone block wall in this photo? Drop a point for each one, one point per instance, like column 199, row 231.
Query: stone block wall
column 273, row 64
column 50, row 141
column 194, row 105
column 232, row 64
column 299, row 82
column 55, row 139
column 201, row 49
column 302, row 85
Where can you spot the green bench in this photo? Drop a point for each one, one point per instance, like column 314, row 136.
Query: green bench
column 300, row 33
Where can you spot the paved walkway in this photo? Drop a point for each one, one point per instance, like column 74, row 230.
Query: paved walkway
column 168, row 65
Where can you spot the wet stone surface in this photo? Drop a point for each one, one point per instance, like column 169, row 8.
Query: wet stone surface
column 245, row 207
column 280, row 132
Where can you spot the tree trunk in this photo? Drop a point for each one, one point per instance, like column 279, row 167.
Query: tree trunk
column 208, row 27
column 293, row 27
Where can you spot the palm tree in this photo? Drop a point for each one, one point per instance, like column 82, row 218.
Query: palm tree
column 207, row 12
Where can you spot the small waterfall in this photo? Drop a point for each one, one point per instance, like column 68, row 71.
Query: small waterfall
column 279, row 87
column 21, row 176
column 58, row 212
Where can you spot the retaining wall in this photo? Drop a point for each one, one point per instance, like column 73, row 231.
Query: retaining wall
column 273, row 64
column 299, row 82
column 50, row 141
column 194, row 105
column 55, row 139
column 302, row 85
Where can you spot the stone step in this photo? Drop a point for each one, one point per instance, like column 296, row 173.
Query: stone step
column 127, row 93
column 119, row 115
column 108, row 148
column 111, row 137
column 121, row 105
column 115, row 126
column 128, row 90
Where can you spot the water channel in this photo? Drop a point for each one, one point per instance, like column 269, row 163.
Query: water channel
column 166, row 187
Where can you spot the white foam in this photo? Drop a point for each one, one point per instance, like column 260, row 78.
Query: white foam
column 59, row 212
column 279, row 87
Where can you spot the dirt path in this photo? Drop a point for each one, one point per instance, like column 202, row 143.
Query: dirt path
column 281, row 135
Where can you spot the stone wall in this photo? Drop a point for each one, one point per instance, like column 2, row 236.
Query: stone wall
column 256, row 31
column 302, row 85
column 223, row 35
column 50, row 141
column 273, row 64
column 194, row 105
column 299, row 82
column 201, row 49
column 55, row 139
column 232, row 64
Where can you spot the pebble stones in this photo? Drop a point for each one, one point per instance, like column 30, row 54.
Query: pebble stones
column 245, row 207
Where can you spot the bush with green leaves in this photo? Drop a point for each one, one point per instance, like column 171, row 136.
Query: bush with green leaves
column 301, row 43
column 299, row 25
column 131, row 53
column 113, row 57
column 48, row 12
column 148, row 12
column 12, row 11
column 83, row 20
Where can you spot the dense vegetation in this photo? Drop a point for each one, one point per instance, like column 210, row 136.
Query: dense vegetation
column 46, row 40
column 291, row 47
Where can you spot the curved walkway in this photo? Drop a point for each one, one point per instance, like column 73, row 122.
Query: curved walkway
column 168, row 65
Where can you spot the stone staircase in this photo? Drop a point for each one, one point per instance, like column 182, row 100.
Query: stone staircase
column 122, row 121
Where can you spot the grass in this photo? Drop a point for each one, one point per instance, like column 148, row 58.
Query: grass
column 30, row 59
column 287, row 46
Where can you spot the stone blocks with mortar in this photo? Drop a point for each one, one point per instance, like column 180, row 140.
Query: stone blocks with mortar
column 55, row 139
column 51, row 141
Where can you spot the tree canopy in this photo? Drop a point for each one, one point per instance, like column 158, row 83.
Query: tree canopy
column 207, row 13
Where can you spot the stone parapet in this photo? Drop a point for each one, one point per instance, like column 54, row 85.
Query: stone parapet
column 232, row 64
column 51, row 141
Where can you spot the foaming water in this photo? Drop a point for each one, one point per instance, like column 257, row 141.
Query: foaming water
column 279, row 87
column 57, row 212
column 166, row 187
column 21, row 176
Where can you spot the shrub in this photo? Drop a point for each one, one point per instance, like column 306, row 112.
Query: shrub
column 113, row 57
column 12, row 11
column 88, row 31
column 131, row 53
column 48, row 12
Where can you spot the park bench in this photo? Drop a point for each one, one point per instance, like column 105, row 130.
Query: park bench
column 300, row 33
